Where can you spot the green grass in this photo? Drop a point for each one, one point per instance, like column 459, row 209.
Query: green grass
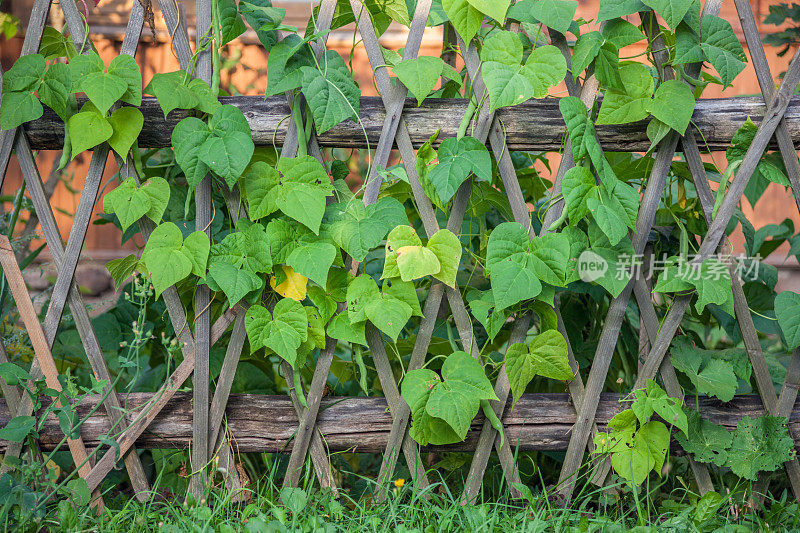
column 436, row 509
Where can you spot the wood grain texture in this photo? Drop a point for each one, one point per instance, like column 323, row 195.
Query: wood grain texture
column 532, row 125
column 262, row 423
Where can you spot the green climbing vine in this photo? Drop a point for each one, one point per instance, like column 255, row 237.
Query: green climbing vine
column 293, row 242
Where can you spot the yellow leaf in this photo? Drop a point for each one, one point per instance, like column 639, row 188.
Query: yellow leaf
column 294, row 286
column 51, row 466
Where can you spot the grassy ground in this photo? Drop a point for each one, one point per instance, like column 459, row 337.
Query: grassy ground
column 436, row 509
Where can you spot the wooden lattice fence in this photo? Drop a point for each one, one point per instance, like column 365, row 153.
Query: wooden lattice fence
column 268, row 423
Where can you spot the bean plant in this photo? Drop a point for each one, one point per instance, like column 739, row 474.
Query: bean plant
column 296, row 248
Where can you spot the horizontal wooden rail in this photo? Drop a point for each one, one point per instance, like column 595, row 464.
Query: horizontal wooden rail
column 532, row 125
column 260, row 423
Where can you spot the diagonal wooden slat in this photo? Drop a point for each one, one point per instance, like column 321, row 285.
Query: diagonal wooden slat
column 394, row 400
column 521, row 215
column 463, row 322
column 705, row 195
column 398, row 436
column 650, row 324
column 396, row 101
column 716, row 230
column 233, row 199
column 307, row 429
column 64, row 288
column 614, row 319
column 179, row 35
column 459, row 313
column 79, row 312
column 490, row 437
column 41, row 348
column 641, row 292
column 616, row 312
column 175, row 307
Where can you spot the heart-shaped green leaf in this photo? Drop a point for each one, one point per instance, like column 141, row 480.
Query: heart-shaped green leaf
column 545, row 356
column 187, row 137
column 787, row 309
column 19, row 108
column 128, row 202
column 103, row 89
column 127, row 123
column 419, row 75
column 87, row 130
column 458, row 158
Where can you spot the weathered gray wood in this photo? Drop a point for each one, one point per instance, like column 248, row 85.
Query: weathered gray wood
column 202, row 298
column 401, row 414
column 395, row 401
column 560, row 41
column 649, row 325
column 76, row 25
column 318, row 46
column 488, row 435
column 790, row 387
column 41, row 348
column 587, row 92
column 317, row 448
column 428, row 217
column 178, row 32
column 80, row 314
column 789, row 155
column 608, row 337
column 260, row 423
column 77, row 235
column 449, row 45
column 309, row 415
column 394, row 105
column 532, row 125
column 64, row 287
column 304, row 441
column 459, row 313
column 224, row 384
column 649, row 318
column 499, row 145
column 614, row 318
column 403, row 137
column 224, row 453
